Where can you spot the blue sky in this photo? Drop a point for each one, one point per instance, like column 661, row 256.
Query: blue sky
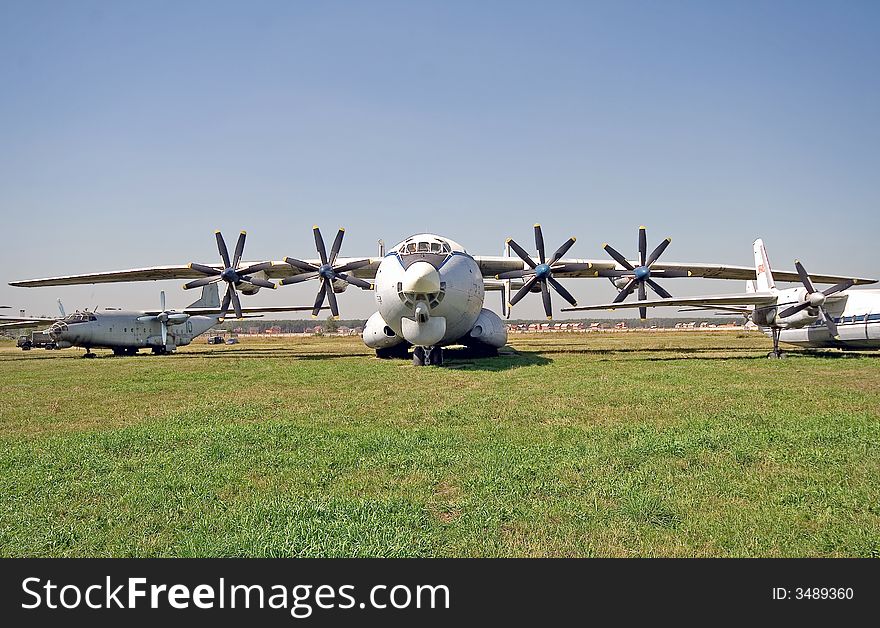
column 129, row 131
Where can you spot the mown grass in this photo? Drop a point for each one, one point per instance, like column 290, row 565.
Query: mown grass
column 638, row 444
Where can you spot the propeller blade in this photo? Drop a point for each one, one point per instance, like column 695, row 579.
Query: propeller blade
column 539, row 244
column 656, row 253
column 236, row 303
column 319, row 301
column 513, row 274
column 337, row 244
column 360, row 283
column 255, row 268
column 319, row 244
column 562, row 250
column 263, row 283
column 805, row 278
column 221, row 246
column 839, row 287
column 627, row 290
column 162, row 300
column 545, row 296
column 239, row 249
column 643, row 245
column 296, row 263
column 207, row 270
column 521, row 252
column 524, row 290
column 198, row 283
column 298, row 278
column 643, row 311
column 224, row 307
column 829, row 323
column 164, row 334
column 656, row 287
column 565, row 294
column 793, row 309
column 331, row 297
column 352, row 266
column 620, row 259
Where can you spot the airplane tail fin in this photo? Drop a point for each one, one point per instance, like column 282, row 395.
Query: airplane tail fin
column 210, row 297
column 765, row 281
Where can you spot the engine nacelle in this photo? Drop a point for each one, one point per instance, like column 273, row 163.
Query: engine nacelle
column 378, row 335
column 339, row 286
column 248, row 288
column 488, row 330
column 770, row 317
column 803, row 318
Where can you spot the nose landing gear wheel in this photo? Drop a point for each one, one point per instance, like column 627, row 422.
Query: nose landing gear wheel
column 428, row 356
column 434, row 356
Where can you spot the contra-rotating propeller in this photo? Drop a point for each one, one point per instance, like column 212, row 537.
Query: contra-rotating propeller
column 543, row 272
column 231, row 274
column 165, row 317
column 816, row 298
column 640, row 275
column 327, row 272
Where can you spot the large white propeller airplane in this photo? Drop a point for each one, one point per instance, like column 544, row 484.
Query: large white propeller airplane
column 429, row 290
column 803, row 316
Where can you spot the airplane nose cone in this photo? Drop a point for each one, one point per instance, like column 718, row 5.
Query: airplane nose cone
column 421, row 277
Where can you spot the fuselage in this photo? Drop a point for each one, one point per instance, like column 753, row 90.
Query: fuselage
column 429, row 292
column 123, row 330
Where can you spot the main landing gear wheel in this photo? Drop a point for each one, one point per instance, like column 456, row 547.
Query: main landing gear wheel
column 397, row 351
column 89, row 353
column 160, row 351
column 419, row 356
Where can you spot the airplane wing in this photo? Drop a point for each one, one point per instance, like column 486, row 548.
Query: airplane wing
column 495, row 265
column 204, row 311
column 207, row 311
column 278, row 270
column 23, row 324
column 25, row 319
column 729, row 300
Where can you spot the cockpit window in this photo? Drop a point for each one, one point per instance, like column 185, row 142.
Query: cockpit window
column 80, row 317
column 437, row 247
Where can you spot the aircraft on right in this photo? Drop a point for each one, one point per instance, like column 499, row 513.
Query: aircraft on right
column 804, row 316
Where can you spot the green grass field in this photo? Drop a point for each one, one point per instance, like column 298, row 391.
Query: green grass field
column 638, row 444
